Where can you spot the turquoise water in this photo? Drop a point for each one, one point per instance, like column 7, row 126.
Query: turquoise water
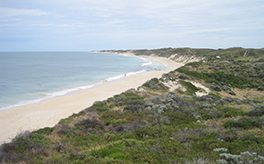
column 28, row 77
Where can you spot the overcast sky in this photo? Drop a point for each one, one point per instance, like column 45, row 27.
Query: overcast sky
column 84, row 25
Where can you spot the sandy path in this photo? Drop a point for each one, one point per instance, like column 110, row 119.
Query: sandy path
column 49, row 112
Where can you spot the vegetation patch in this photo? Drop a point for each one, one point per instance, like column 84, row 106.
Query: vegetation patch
column 191, row 89
column 155, row 84
column 257, row 111
column 219, row 78
column 242, row 123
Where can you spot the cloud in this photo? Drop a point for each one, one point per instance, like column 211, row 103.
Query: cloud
column 12, row 12
column 147, row 23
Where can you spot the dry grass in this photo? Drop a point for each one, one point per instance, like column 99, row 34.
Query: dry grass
column 256, row 132
column 245, row 94
column 216, row 123
column 244, row 107
column 85, row 115
column 118, row 108
column 54, row 136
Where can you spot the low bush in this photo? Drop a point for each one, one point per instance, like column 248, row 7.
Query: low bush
column 64, row 129
column 90, row 123
column 221, row 150
column 124, row 98
column 156, row 99
column 100, row 106
column 199, row 161
column 178, row 118
column 134, row 105
column 155, row 84
column 126, row 127
column 259, row 119
column 257, row 111
column 174, row 101
column 218, row 78
column 210, row 98
column 114, row 150
column 187, row 135
column 161, row 120
column 230, row 112
column 242, row 123
column 46, row 130
column 190, row 88
column 58, row 147
column 244, row 158
column 108, row 116
column 23, row 144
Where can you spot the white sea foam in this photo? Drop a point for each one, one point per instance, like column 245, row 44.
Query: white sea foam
column 148, row 62
column 50, row 95
column 145, row 64
column 134, row 73
column 22, row 103
column 68, row 91
column 115, row 78
column 145, row 59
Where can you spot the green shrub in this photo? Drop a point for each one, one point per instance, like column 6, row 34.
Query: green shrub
column 145, row 131
column 134, row 105
column 113, row 151
column 64, row 129
column 210, row 98
column 46, row 130
column 90, row 123
column 193, row 64
column 231, row 112
column 257, row 111
column 178, row 118
column 155, row 84
column 242, row 123
column 123, row 98
column 218, row 78
column 23, row 144
column 191, row 89
column 108, row 116
column 186, row 135
column 244, row 157
column 100, row 106
column 126, row 127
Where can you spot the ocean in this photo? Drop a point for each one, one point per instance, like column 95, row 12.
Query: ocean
column 29, row 77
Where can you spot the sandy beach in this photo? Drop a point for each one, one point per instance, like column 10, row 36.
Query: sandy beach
column 48, row 113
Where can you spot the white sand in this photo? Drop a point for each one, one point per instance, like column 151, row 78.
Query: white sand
column 49, row 112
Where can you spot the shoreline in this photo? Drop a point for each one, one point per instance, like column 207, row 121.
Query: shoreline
column 49, row 112
column 70, row 90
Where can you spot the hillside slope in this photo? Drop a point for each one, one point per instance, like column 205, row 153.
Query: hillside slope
column 165, row 120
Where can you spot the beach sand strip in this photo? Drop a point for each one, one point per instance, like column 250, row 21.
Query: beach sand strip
column 49, row 112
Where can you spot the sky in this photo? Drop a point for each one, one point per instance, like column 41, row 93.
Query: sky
column 85, row 25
